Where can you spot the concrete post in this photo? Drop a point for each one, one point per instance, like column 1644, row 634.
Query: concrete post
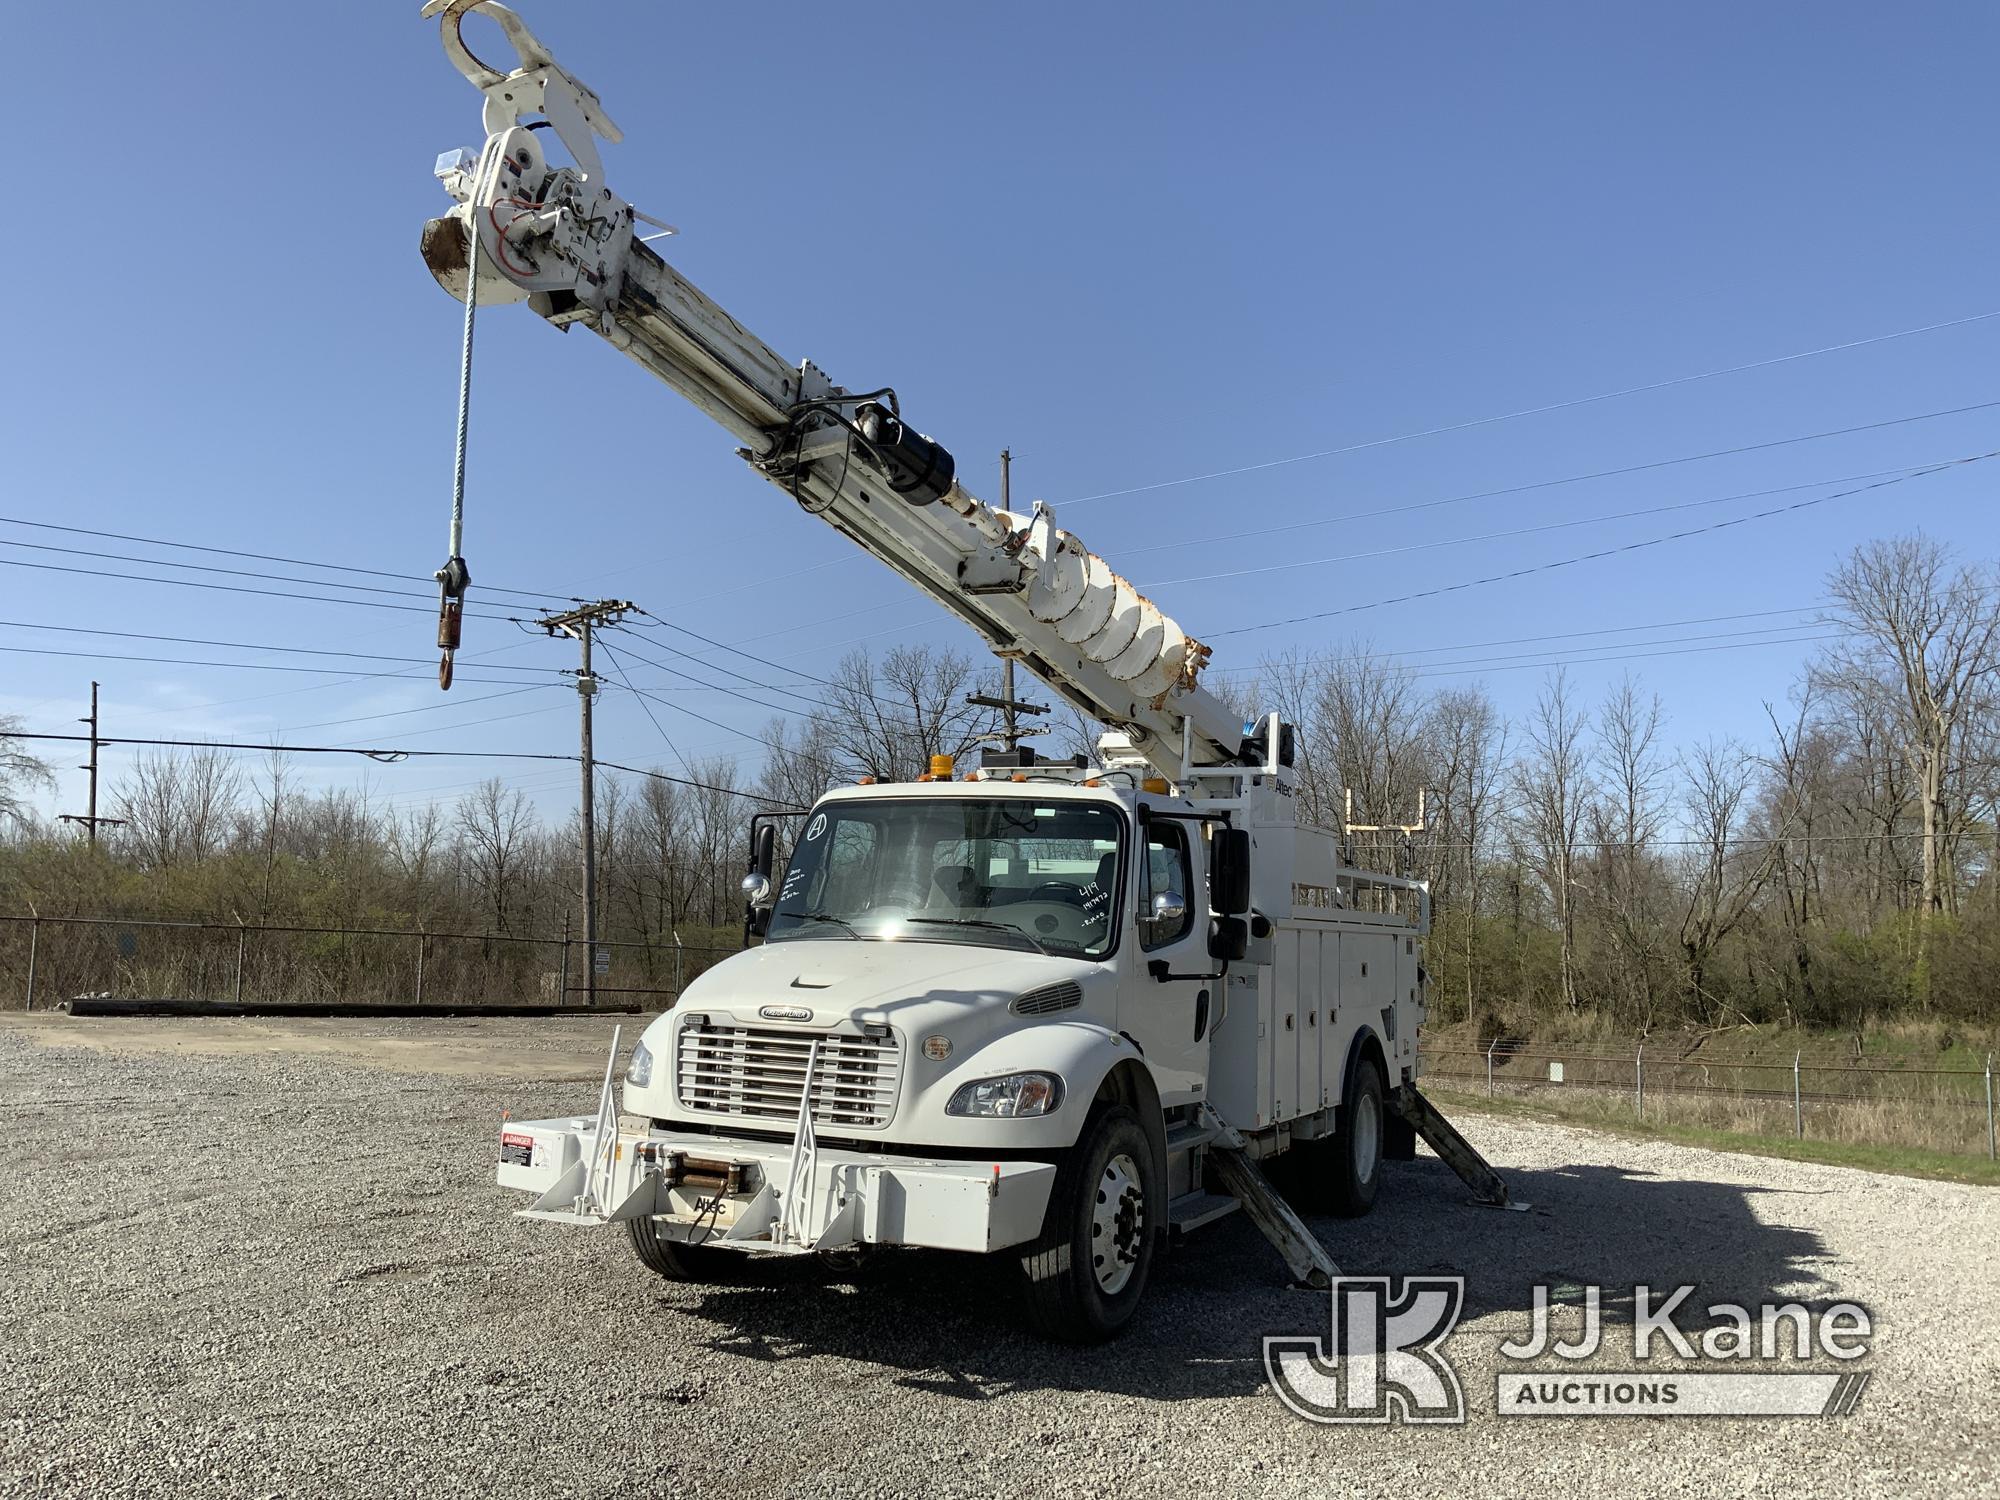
column 1989, row 1107
column 1639, row 1074
column 34, row 945
column 1798, row 1102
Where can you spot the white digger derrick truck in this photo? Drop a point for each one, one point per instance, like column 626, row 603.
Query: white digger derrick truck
column 1056, row 1010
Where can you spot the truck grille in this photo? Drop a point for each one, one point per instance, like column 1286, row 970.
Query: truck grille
column 759, row 1071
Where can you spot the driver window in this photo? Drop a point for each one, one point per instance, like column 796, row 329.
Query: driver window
column 1167, row 869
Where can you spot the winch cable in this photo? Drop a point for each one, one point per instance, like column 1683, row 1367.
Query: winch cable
column 454, row 576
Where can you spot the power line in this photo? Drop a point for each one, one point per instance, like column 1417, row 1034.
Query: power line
column 736, row 651
column 234, row 666
column 1459, row 669
column 1544, row 567
column 811, row 703
column 192, row 640
column 297, row 562
column 398, row 754
column 1548, row 484
column 1518, row 531
column 1528, row 640
column 619, row 667
column 1533, row 411
column 227, row 588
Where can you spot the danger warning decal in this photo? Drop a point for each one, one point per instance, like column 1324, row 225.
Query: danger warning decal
column 517, row 1149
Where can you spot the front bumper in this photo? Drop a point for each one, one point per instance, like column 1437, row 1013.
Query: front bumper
column 767, row 1196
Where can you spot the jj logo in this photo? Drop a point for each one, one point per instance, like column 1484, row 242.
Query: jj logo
column 1383, row 1361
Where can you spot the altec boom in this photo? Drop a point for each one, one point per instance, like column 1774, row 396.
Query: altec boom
column 1056, row 1010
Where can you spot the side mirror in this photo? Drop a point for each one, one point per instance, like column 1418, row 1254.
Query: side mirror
column 757, row 883
column 1228, row 939
column 1229, row 871
column 1169, row 907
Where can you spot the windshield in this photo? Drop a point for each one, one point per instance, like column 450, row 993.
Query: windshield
column 998, row 872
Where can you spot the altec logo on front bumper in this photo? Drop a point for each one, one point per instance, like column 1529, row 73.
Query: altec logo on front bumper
column 1385, row 1359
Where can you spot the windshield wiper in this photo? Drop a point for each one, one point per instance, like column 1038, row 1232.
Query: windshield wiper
column 820, row 916
column 1019, row 932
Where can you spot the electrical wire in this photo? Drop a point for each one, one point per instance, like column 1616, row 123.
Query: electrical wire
column 1533, row 411
column 618, row 666
column 194, row 640
column 1547, row 526
column 1528, row 640
column 735, row 651
column 233, row 588
column 1548, row 484
column 398, row 754
column 235, row 666
column 1565, row 562
column 296, row 562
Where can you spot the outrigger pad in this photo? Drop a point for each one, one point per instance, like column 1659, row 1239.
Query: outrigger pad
column 1453, row 1149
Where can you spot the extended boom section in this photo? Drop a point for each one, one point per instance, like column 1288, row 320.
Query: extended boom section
column 557, row 237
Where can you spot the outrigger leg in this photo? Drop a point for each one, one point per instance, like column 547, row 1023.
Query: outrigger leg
column 1453, row 1149
column 1274, row 1217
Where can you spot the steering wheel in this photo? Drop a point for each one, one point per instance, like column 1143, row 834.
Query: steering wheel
column 1057, row 890
column 906, row 897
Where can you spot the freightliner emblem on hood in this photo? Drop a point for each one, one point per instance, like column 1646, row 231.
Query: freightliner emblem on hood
column 785, row 1013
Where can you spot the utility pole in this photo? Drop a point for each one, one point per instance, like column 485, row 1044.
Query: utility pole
column 90, row 819
column 1007, row 668
column 578, row 623
column 1010, row 706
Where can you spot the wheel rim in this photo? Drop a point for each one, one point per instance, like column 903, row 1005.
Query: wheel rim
column 1367, row 1136
column 1117, row 1225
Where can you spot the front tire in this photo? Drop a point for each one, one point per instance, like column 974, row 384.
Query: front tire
column 1087, row 1270
column 670, row 1258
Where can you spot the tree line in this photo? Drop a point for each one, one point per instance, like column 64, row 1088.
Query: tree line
column 1837, row 870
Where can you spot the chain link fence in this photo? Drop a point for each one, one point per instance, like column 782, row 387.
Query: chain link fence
column 47, row 960
column 1880, row 1103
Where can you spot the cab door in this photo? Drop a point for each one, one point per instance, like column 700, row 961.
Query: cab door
column 1169, row 993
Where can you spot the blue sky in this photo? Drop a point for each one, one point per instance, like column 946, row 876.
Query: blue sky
column 1134, row 250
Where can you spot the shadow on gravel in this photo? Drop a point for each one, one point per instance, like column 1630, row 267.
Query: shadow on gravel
column 950, row 1323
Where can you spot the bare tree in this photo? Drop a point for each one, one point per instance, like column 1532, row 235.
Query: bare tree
column 1552, row 783
column 20, row 772
column 494, row 826
column 888, row 721
column 1625, row 820
column 1929, row 636
column 178, row 809
column 1721, row 877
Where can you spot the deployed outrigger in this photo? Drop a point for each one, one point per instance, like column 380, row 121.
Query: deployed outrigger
column 1049, row 1008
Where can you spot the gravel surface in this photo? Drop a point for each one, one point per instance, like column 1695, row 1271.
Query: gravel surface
column 270, row 1260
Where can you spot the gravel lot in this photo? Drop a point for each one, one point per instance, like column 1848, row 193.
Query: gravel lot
column 257, row 1258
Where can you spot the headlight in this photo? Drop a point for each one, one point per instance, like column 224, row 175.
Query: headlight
column 1011, row 1097
column 639, row 1071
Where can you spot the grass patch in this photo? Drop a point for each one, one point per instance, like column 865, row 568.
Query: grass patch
column 1906, row 1161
